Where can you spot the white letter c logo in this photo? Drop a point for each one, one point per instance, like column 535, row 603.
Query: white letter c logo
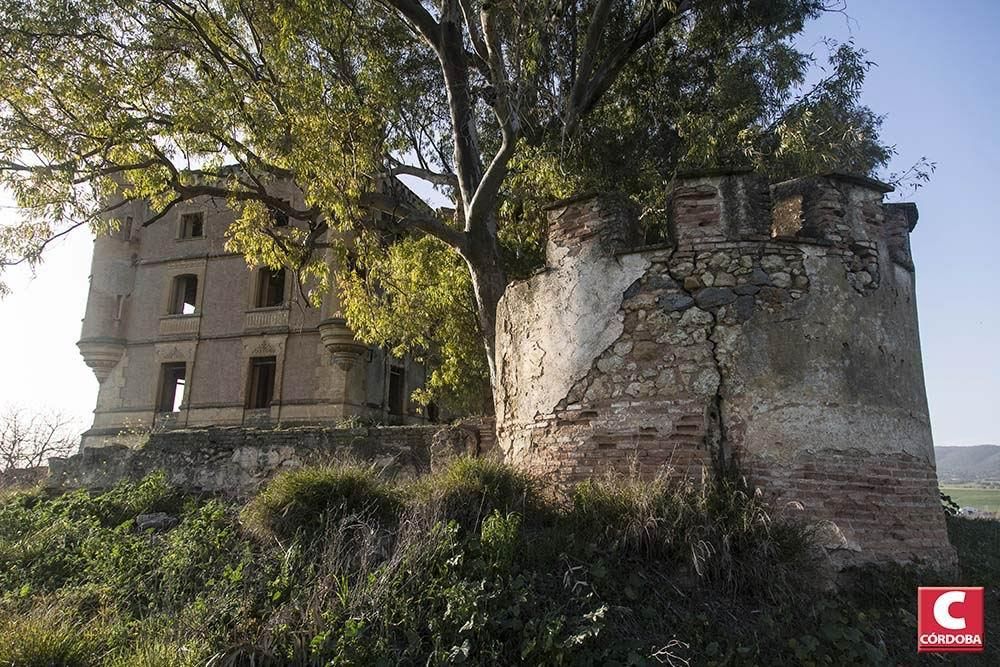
column 942, row 614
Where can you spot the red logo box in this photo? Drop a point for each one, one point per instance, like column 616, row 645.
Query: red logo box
column 950, row 620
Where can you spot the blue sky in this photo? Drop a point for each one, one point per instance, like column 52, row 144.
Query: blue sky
column 938, row 81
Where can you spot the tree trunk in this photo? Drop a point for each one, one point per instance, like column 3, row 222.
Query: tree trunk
column 489, row 281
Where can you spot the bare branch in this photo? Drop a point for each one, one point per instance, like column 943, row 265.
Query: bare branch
column 27, row 440
column 437, row 178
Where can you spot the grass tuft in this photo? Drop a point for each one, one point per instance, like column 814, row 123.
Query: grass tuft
column 46, row 636
column 306, row 499
column 718, row 529
column 159, row 654
column 469, row 490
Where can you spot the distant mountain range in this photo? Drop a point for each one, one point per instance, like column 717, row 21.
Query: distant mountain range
column 975, row 463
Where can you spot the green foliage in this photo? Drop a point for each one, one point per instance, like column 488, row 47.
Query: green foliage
column 44, row 541
column 982, row 537
column 982, row 499
column 414, row 297
column 306, row 498
column 500, row 537
column 160, row 654
column 105, row 99
column 948, row 504
column 719, row 529
column 471, row 565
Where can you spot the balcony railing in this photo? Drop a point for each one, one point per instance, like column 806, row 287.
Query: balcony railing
column 266, row 318
column 178, row 325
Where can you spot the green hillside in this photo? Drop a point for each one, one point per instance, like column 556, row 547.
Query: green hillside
column 976, row 463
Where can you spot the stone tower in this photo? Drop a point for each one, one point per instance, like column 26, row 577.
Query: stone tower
column 776, row 329
column 112, row 277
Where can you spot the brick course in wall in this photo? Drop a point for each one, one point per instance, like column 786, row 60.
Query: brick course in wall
column 891, row 502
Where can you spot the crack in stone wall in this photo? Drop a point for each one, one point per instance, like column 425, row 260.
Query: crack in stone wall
column 715, row 433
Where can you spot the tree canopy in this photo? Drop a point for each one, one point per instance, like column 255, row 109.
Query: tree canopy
column 499, row 105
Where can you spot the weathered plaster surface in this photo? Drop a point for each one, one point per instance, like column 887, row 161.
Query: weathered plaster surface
column 581, row 300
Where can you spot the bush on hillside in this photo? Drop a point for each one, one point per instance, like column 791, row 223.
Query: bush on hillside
column 719, row 529
column 305, row 499
column 608, row 579
column 470, row 489
column 44, row 538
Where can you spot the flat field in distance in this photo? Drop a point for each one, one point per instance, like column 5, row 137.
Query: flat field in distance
column 987, row 500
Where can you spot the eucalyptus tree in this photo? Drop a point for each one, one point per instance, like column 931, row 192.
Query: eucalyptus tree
column 498, row 104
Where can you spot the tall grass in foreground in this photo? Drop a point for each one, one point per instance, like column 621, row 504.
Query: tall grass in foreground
column 719, row 529
column 475, row 564
column 48, row 635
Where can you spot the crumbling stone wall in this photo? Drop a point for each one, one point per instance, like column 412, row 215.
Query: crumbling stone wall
column 777, row 329
column 235, row 461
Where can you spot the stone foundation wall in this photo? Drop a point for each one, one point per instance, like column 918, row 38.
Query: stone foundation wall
column 235, row 461
column 777, row 329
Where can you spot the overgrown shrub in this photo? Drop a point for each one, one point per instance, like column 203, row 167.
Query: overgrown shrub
column 44, row 540
column 636, row 516
column 306, row 498
column 718, row 528
column 472, row 565
column 470, row 489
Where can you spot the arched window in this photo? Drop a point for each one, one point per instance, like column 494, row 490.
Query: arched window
column 270, row 288
column 184, row 295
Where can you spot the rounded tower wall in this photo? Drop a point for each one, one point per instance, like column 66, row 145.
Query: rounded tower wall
column 777, row 330
column 112, row 279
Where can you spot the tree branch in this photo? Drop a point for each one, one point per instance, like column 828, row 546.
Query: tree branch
column 591, row 43
column 505, row 109
column 592, row 88
column 406, row 217
column 468, row 158
column 437, row 178
column 420, row 19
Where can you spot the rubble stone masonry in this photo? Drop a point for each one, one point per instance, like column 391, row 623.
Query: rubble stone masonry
column 236, row 461
column 777, row 329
